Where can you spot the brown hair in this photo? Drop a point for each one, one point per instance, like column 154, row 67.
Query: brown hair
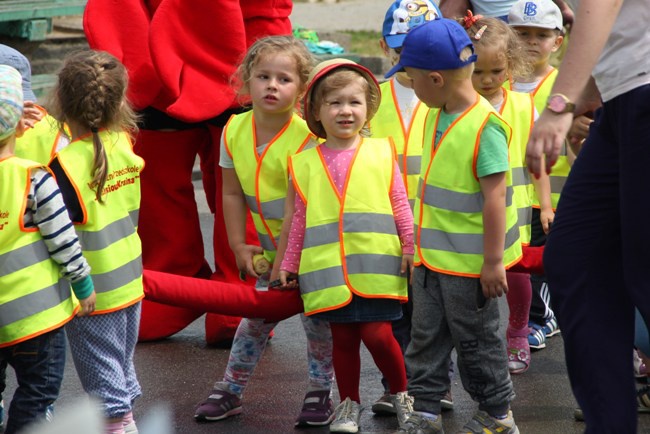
column 493, row 32
column 91, row 91
column 272, row 45
column 338, row 79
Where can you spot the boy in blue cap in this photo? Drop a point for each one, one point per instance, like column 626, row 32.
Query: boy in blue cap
column 466, row 236
column 401, row 116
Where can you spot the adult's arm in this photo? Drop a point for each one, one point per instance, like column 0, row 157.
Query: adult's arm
column 585, row 45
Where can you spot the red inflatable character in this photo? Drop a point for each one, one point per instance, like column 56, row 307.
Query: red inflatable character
column 180, row 56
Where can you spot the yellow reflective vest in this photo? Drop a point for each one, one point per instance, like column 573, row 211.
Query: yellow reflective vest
column 351, row 243
column 264, row 178
column 518, row 110
column 561, row 168
column 449, row 206
column 388, row 122
column 34, row 298
column 108, row 233
column 39, row 143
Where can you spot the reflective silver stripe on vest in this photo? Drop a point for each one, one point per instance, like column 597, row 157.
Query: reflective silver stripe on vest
column 352, row 223
column 34, row 303
column 119, row 277
column 373, row 264
column 114, row 232
column 356, row 264
column 266, row 243
column 23, row 257
column 520, row 176
column 135, row 216
column 557, row 183
column 525, row 215
column 273, row 209
column 321, row 279
column 413, row 163
column 321, row 235
column 458, row 202
column 434, row 239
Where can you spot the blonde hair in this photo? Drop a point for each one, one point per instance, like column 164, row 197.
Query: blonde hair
column 339, row 79
column 91, row 92
column 495, row 33
column 269, row 46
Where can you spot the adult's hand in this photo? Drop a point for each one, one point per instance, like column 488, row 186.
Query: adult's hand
column 546, row 140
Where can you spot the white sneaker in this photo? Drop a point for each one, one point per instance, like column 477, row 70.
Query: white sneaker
column 403, row 404
column 347, row 417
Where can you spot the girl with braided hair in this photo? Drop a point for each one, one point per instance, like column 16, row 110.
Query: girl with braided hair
column 99, row 176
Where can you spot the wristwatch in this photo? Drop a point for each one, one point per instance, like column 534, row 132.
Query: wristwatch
column 558, row 103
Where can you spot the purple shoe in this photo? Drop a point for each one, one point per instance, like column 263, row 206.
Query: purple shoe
column 317, row 409
column 219, row 405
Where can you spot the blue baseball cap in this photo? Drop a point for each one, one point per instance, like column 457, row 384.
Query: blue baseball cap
column 405, row 15
column 434, row 46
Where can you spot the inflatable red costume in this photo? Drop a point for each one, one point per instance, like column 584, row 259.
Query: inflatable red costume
column 180, row 56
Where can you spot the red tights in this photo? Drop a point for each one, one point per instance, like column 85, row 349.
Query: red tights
column 378, row 338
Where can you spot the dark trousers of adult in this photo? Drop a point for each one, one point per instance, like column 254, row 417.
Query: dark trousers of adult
column 597, row 257
column 39, row 365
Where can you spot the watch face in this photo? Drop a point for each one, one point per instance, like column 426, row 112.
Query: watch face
column 557, row 104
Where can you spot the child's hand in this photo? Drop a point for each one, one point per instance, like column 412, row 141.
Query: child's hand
column 493, row 280
column 407, row 264
column 286, row 283
column 244, row 256
column 87, row 305
column 31, row 115
column 546, row 217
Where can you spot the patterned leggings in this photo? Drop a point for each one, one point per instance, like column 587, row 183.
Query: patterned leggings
column 102, row 348
column 250, row 341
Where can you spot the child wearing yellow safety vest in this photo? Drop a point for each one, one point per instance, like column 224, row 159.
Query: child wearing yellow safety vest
column 467, row 234
column 539, row 26
column 500, row 54
column 39, row 251
column 256, row 146
column 351, row 233
column 99, row 175
column 401, row 116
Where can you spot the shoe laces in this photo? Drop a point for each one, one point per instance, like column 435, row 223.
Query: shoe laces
column 347, row 410
column 406, row 402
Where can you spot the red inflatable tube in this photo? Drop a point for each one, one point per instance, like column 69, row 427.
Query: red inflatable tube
column 221, row 297
column 531, row 262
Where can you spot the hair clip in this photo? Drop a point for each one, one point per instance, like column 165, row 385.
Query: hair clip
column 478, row 34
column 470, row 19
column 94, row 129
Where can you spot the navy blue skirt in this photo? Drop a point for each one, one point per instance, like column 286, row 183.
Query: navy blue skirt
column 362, row 309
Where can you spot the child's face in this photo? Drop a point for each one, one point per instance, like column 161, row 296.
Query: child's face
column 540, row 43
column 275, row 85
column 343, row 112
column 490, row 71
column 393, row 54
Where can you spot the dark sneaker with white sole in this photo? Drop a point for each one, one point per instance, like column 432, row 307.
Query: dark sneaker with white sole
column 317, row 409
column 219, row 405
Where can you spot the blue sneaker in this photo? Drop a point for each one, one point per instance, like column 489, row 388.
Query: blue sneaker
column 551, row 328
column 536, row 337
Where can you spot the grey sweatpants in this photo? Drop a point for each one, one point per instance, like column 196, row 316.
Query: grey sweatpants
column 451, row 311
